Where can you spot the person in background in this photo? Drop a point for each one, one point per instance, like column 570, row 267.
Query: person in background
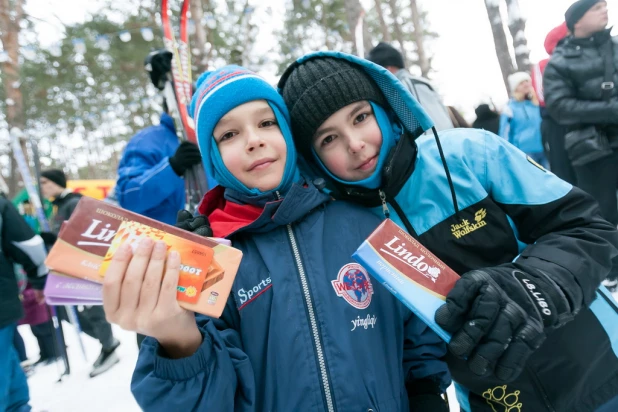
column 520, row 122
column 580, row 91
column 92, row 318
column 552, row 132
column 486, row 119
column 150, row 173
column 21, row 245
column 391, row 59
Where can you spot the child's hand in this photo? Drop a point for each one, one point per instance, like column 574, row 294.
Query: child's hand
column 139, row 294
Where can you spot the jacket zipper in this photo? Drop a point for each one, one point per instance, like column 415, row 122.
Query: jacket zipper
column 312, row 319
column 550, row 408
column 387, row 199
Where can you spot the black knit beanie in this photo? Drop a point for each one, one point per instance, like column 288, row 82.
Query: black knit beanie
column 319, row 87
column 386, row 55
column 577, row 11
column 55, row 175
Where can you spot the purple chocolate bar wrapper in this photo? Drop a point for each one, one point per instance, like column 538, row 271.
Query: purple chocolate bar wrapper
column 71, row 302
column 64, row 287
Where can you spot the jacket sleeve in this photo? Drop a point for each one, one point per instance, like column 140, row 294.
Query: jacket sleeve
column 562, row 103
column 423, row 354
column 558, row 226
column 145, row 178
column 218, row 377
column 22, row 245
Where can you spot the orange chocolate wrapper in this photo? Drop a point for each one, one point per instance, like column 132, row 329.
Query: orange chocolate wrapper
column 195, row 259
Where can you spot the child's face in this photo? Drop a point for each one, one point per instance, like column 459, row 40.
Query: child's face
column 348, row 142
column 252, row 146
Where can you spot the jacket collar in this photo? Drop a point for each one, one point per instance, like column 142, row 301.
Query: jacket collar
column 595, row 40
column 229, row 214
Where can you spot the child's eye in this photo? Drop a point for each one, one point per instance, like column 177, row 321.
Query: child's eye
column 268, row 123
column 361, row 117
column 226, row 136
column 328, row 139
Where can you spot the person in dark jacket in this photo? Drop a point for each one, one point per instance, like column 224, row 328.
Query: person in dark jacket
column 92, row 318
column 19, row 245
column 486, row 119
column 552, row 132
column 293, row 336
column 532, row 329
column 579, row 96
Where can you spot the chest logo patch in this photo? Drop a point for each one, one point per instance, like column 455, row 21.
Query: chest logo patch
column 353, row 285
column 466, row 227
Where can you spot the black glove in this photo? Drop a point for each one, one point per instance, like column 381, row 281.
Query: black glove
column 186, row 156
column 195, row 224
column 499, row 316
column 158, row 64
column 424, row 396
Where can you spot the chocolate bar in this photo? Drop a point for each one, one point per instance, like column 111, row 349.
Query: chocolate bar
column 408, row 270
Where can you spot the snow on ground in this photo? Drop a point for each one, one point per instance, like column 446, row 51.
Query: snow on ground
column 78, row 392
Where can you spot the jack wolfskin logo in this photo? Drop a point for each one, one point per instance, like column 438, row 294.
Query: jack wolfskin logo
column 501, row 401
column 465, row 227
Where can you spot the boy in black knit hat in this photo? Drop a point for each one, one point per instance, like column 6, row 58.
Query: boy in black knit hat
column 532, row 250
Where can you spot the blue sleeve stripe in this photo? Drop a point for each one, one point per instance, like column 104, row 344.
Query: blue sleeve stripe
column 462, row 397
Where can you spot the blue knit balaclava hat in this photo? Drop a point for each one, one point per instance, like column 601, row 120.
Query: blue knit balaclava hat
column 217, row 93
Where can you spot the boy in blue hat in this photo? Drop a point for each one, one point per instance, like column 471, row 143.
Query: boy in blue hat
column 531, row 329
column 304, row 329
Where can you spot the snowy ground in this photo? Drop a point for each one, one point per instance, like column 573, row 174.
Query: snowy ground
column 78, row 392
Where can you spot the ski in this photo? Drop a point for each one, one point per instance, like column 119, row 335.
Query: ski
column 178, row 94
column 199, row 175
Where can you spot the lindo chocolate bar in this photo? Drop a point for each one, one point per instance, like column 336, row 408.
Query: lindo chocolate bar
column 408, row 270
column 84, row 240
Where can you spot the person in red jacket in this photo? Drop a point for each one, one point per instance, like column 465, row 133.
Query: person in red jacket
column 552, row 133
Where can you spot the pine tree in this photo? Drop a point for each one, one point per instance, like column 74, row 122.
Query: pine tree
column 500, row 42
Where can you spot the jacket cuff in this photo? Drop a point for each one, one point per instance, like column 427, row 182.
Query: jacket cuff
column 184, row 368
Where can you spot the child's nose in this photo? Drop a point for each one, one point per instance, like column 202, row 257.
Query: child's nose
column 355, row 145
column 253, row 141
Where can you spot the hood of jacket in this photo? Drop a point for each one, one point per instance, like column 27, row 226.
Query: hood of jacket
column 554, row 36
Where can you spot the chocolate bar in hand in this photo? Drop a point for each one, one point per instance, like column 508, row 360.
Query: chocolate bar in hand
column 84, row 240
column 408, row 270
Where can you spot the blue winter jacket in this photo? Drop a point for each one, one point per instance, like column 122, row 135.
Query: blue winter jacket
column 520, row 125
column 146, row 182
column 499, row 208
column 303, row 330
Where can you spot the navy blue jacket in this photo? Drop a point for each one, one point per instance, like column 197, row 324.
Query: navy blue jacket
column 304, row 328
column 146, row 182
